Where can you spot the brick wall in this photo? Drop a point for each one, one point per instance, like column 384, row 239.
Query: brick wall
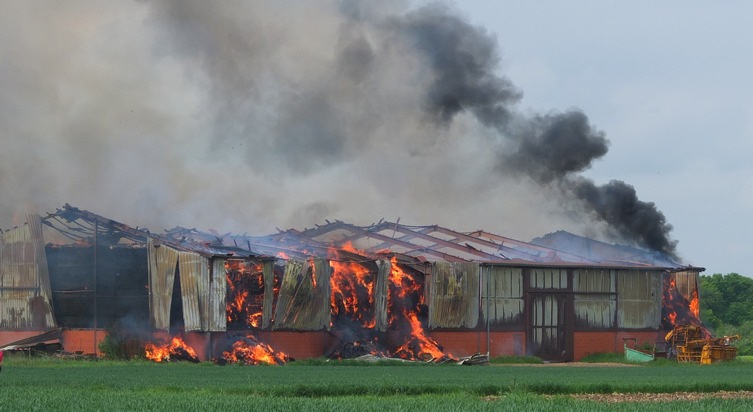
column 461, row 344
column 587, row 343
column 85, row 341
column 299, row 345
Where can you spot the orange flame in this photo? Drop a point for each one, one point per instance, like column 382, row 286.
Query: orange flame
column 418, row 345
column 250, row 351
column 352, row 286
column 245, row 281
column 677, row 309
column 175, row 349
column 405, row 298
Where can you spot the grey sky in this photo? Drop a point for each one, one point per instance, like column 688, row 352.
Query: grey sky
column 255, row 115
column 670, row 85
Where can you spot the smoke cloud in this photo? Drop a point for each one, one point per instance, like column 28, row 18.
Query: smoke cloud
column 246, row 116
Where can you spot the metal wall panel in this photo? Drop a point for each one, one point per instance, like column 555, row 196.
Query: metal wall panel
column 304, row 298
column 381, row 291
column 194, row 285
column 218, row 297
column 268, row 271
column 162, row 263
column 455, row 295
column 639, row 299
column 502, row 295
column 686, row 284
column 25, row 291
column 596, row 305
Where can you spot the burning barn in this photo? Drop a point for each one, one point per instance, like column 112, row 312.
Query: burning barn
column 337, row 290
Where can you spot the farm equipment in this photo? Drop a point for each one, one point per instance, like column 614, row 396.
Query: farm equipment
column 693, row 344
column 637, row 355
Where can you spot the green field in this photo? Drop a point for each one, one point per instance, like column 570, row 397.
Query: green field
column 55, row 384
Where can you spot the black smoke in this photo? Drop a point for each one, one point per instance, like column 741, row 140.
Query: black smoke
column 550, row 149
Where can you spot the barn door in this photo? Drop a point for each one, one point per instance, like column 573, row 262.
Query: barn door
column 549, row 313
column 548, row 334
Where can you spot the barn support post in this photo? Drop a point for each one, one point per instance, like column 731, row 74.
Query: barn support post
column 488, row 313
column 96, row 276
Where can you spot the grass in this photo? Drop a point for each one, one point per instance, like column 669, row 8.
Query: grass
column 49, row 383
column 507, row 360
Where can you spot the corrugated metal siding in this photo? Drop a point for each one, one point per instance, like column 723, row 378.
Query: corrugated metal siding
column 269, row 293
column 162, row 263
column 502, row 295
column 596, row 305
column 686, row 284
column 24, row 280
column 548, row 278
column 304, row 299
column 455, row 299
column 381, row 291
column 194, row 284
column 639, row 299
column 217, row 297
column 43, row 274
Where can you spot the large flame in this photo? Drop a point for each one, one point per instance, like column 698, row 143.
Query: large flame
column 352, row 286
column 245, row 287
column 405, row 302
column 417, row 345
column 250, row 351
column 177, row 349
column 679, row 310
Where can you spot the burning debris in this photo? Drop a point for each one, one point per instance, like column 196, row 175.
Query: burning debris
column 245, row 293
column 175, row 350
column 353, row 307
column 250, row 351
column 680, row 308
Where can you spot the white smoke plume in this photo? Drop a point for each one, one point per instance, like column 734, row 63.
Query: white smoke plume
column 246, row 116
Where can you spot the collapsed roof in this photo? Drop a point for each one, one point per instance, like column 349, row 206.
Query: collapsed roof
column 412, row 243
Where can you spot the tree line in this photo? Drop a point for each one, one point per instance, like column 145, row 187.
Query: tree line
column 726, row 303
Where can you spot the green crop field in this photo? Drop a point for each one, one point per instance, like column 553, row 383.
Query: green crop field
column 56, row 384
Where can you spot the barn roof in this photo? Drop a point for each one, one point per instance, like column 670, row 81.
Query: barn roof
column 341, row 240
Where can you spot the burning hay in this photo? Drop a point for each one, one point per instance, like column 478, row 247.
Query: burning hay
column 176, row 350
column 355, row 321
column 245, row 287
column 250, row 351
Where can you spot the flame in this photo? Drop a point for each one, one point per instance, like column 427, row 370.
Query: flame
column 313, row 273
column 177, row 349
column 405, row 300
column 678, row 310
column 250, row 351
column 245, row 283
column 352, row 286
column 417, row 344
column 694, row 305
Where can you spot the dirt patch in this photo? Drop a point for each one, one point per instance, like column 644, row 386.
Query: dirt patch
column 662, row 397
column 649, row 397
column 574, row 364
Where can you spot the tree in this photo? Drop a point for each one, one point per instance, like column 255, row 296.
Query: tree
column 726, row 303
column 729, row 298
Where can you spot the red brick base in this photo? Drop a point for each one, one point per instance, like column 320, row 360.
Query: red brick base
column 459, row 344
column 588, row 343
